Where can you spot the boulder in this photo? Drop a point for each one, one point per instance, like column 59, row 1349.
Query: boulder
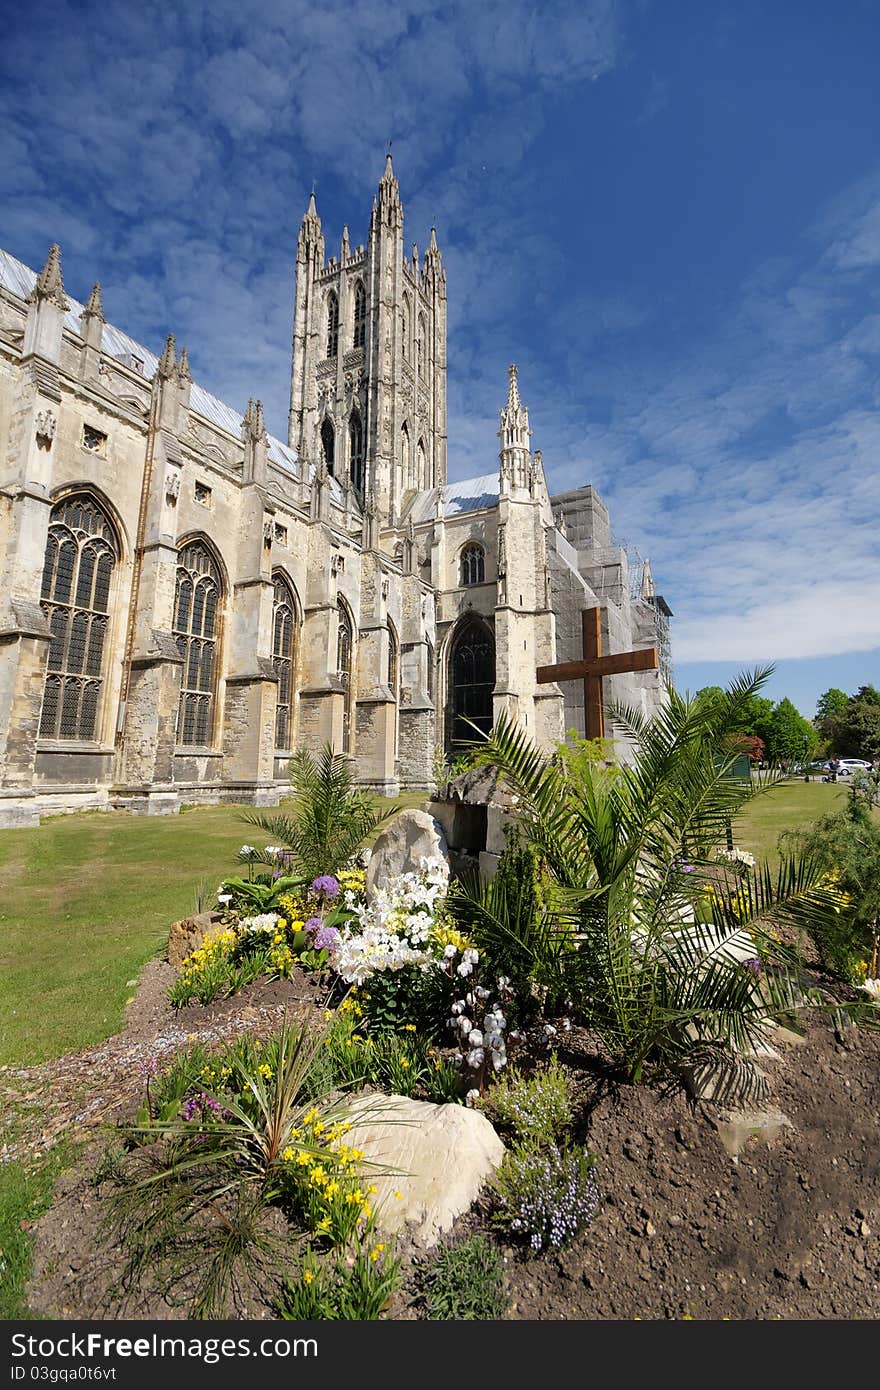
column 408, row 838
column 437, row 1158
column 184, row 936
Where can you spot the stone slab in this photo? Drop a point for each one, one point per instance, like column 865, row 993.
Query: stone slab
column 436, row 1156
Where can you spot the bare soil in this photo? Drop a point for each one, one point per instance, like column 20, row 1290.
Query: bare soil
column 788, row 1229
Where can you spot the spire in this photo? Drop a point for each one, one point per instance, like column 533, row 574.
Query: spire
column 389, row 209
column 346, row 248
column 432, row 244
column 647, row 590
column 513, row 401
column 49, row 282
column 514, row 435
column 168, row 359
column 310, row 227
column 94, row 308
column 183, row 366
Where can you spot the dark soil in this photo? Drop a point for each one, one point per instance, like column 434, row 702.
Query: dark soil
column 788, row 1229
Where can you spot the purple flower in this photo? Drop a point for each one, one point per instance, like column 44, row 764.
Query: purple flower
column 326, row 885
column 753, row 964
column 326, row 939
column 314, row 924
column 149, row 1067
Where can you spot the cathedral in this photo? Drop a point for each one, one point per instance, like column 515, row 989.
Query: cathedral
column 185, row 600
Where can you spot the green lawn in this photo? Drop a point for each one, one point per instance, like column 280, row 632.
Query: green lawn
column 787, row 806
column 85, row 901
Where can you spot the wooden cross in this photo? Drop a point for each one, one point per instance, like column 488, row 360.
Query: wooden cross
column 593, row 667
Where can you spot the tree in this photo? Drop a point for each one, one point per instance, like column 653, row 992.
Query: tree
column 831, row 704
column 788, row 736
column 856, row 730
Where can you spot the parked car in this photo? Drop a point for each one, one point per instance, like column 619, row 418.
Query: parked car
column 854, row 764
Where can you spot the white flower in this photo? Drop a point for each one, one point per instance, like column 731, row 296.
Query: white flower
column 458, row 1007
column 224, row 898
column 246, row 850
column 549, row 1030
column 475, row 1038
column 872, row 988
column 450, row 951
column 472, row 1098
column 476, row 1057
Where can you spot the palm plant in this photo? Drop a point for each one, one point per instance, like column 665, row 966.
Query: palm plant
column 665, row 975
column 330, row 818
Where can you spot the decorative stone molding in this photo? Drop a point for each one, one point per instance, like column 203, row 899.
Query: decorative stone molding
column 44, row 427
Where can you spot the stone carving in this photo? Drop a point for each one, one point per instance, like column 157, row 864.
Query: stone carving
column 268, row 531
column 337, row 564
column 172, row 484
column 44, row 425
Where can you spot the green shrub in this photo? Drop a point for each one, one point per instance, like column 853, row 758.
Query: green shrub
column 536, row 1108
column 403, row 1063
column 465, row 1281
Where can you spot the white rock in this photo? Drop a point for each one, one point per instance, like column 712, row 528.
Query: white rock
column 436, row 1156
column 410, row 837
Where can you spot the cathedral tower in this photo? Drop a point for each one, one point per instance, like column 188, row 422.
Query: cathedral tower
column 368, row 382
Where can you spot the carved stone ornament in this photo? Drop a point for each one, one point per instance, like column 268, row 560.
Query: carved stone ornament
column 44, row 427
column 268, row 531
column 172, row 484
column 337, row 564
column 384, row 590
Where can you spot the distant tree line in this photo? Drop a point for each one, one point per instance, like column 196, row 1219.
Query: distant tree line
column 849, row 725
column 845, row 726
column 771, row 732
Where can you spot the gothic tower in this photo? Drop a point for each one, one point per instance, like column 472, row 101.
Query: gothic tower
column 368, row 381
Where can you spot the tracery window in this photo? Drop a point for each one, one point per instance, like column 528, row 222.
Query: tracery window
column 328, row 444
column 422, row 347
column 405, row 457
column 356, row 452
column 332, row 325
column 284, row 657
column 473, row 565
column 81, row 555
column 471, row 683
column 404, row 327
column 196, row 623
column 360, row 315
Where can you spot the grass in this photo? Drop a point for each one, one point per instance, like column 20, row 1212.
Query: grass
column 85, row 901
column 25, row 1192
column 787, row 807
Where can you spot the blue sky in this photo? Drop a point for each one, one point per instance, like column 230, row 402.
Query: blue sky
column 667, row 214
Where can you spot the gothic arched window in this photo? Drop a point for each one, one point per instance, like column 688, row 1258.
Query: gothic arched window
column 471, row 681
column 81, row 555
column 404, row 327
column 328, row 444
column 332, row 325
column 422, row 466
column 356, row 452
column 473, row 564
column 344, row 652
column 393, row 661
column 285, row 631
column 422, row 347
column 196, row 628
column 360, row 314
column 405, row 457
